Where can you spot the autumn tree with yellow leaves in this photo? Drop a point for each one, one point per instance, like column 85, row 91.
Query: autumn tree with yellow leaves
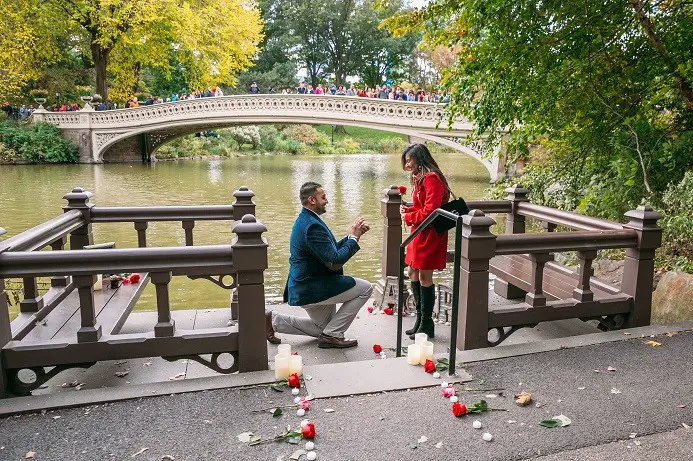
column 212, row 39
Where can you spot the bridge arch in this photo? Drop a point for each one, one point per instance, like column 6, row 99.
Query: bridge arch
column 148, row 127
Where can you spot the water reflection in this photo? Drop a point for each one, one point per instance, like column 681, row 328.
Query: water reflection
column 354, row 183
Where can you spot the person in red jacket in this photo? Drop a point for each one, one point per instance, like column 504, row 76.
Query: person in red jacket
column 428, row 251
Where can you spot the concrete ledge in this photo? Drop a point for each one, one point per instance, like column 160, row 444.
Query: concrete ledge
column 32, row 404
column 501, row 352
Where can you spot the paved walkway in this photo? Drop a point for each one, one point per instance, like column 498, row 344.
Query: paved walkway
column 627, row 399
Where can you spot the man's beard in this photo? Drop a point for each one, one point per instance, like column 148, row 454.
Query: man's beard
column 320, row 209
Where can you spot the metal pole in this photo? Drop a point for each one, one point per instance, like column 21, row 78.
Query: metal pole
column 400, row 300
column 455, row 297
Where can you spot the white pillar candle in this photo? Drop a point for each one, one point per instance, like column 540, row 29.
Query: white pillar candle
column 281, row 367
column 426, row 352
column 284, row 349
column 413, row 354
column 296, row 364
column 420, row 338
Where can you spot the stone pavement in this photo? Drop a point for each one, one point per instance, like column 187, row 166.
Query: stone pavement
column 627, row 399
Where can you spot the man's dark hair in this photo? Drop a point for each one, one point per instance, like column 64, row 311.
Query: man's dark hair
column 308, row 189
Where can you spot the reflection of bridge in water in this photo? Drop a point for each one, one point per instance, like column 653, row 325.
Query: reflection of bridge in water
column 134, row 134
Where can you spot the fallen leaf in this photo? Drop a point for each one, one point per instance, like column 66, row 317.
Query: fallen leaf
column 439, row 444
column 328, row 410
column 179, row 375
column 653, row 343
column 681, row 405
column 147, row 364
column 563, row 419
column 297, row 454
column 550, row 423
column 140, row 452
column 685, row 426
column 423, row 439
column 615, row 391
column 122, row 374
column 40, row 323
column 29, row 454
column 244, row 437
column 610, row 369
column 596, row 371
column 511, row 421
column 57, row 417
column 276, row 412
column 633, row 435
column 581, row 388
column 523, row 399
column 168, row 458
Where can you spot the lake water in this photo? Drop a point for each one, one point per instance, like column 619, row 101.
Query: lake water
column 32, row 194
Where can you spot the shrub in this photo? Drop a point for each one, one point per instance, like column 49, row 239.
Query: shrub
column 38, row 143
column 302, row 133
column 269, row 135
column 391, row 145
column 677, row 224
column 7, row 154
column 246, row 135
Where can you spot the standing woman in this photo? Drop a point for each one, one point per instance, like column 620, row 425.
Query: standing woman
column 428, row 251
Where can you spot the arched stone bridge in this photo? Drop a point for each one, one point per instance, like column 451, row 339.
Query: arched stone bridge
column 134, row 134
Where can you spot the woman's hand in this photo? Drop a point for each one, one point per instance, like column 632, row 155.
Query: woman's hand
column 403, row 211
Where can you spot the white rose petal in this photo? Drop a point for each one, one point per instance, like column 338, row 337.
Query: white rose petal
column 301, row 412
column 476, row 424
column 310, row 446
column 487, row 437
column 443, row 384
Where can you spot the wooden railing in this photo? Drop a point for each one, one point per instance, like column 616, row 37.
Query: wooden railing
column 524, row 267
column 245, row 259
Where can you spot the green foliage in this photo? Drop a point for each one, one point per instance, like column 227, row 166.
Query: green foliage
column 37, row 143
column 249, row 134
column 677, row 224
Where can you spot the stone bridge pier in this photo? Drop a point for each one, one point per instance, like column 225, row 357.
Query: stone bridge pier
column 133, row 135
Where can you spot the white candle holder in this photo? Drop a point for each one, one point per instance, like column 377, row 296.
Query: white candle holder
column 426, row 352
column 413, row 354
column 281, row 367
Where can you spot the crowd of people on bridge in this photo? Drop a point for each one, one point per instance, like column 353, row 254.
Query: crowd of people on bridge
column 395, row 93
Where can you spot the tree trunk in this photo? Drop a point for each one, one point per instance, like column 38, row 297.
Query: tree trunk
column 100, row 57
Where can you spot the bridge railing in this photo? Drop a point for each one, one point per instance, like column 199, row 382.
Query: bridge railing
column 76, row 269
column 524, row 267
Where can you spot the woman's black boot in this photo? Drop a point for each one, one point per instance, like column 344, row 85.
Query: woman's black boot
column 416, row 289
column 428, row 300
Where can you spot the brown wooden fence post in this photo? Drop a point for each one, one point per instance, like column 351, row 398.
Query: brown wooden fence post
column 250, row 261
column 638, row 272
column 78, row 199
column 514, row 224
column 478, row 247
column 5, row 332
column 244, row 203
column 89, row 331
column 392, row 237
column 59, row 281
column 165, row 325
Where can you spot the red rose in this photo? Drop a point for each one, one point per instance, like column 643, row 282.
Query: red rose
column 126, row 281
column 402, row 189
column 294, row 381
column 429, row 366
column 388, row 311
column 459, row 409
column 308, row 431
column 377, row 349
column 370, row 309
column 135, row 278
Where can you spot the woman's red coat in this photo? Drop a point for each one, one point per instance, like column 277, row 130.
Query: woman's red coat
column 428, row 249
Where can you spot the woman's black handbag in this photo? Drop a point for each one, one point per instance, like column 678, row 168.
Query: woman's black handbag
column 458, row 206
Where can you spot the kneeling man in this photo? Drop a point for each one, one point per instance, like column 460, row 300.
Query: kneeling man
column 316, row 280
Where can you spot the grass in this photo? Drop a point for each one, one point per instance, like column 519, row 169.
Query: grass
column 358, row 134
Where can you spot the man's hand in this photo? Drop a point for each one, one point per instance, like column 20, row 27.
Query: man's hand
column 359, row 227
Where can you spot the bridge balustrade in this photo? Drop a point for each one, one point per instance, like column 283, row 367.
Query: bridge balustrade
column 84, row 326
column 524, row 266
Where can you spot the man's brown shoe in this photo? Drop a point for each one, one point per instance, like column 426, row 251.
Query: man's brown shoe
column 328, row 342
column 269, row 330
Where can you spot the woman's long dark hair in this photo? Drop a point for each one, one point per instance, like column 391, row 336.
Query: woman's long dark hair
column 420, row 154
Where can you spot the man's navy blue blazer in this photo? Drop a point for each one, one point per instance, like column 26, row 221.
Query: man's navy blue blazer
column 315, row 262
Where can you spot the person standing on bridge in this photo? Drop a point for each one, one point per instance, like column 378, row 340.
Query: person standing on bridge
column 428, row 251
column 316, row 280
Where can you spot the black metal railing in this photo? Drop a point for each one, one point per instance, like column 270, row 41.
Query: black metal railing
column 455, row 282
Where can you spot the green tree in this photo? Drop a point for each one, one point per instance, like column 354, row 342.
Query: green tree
column 602, row 87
